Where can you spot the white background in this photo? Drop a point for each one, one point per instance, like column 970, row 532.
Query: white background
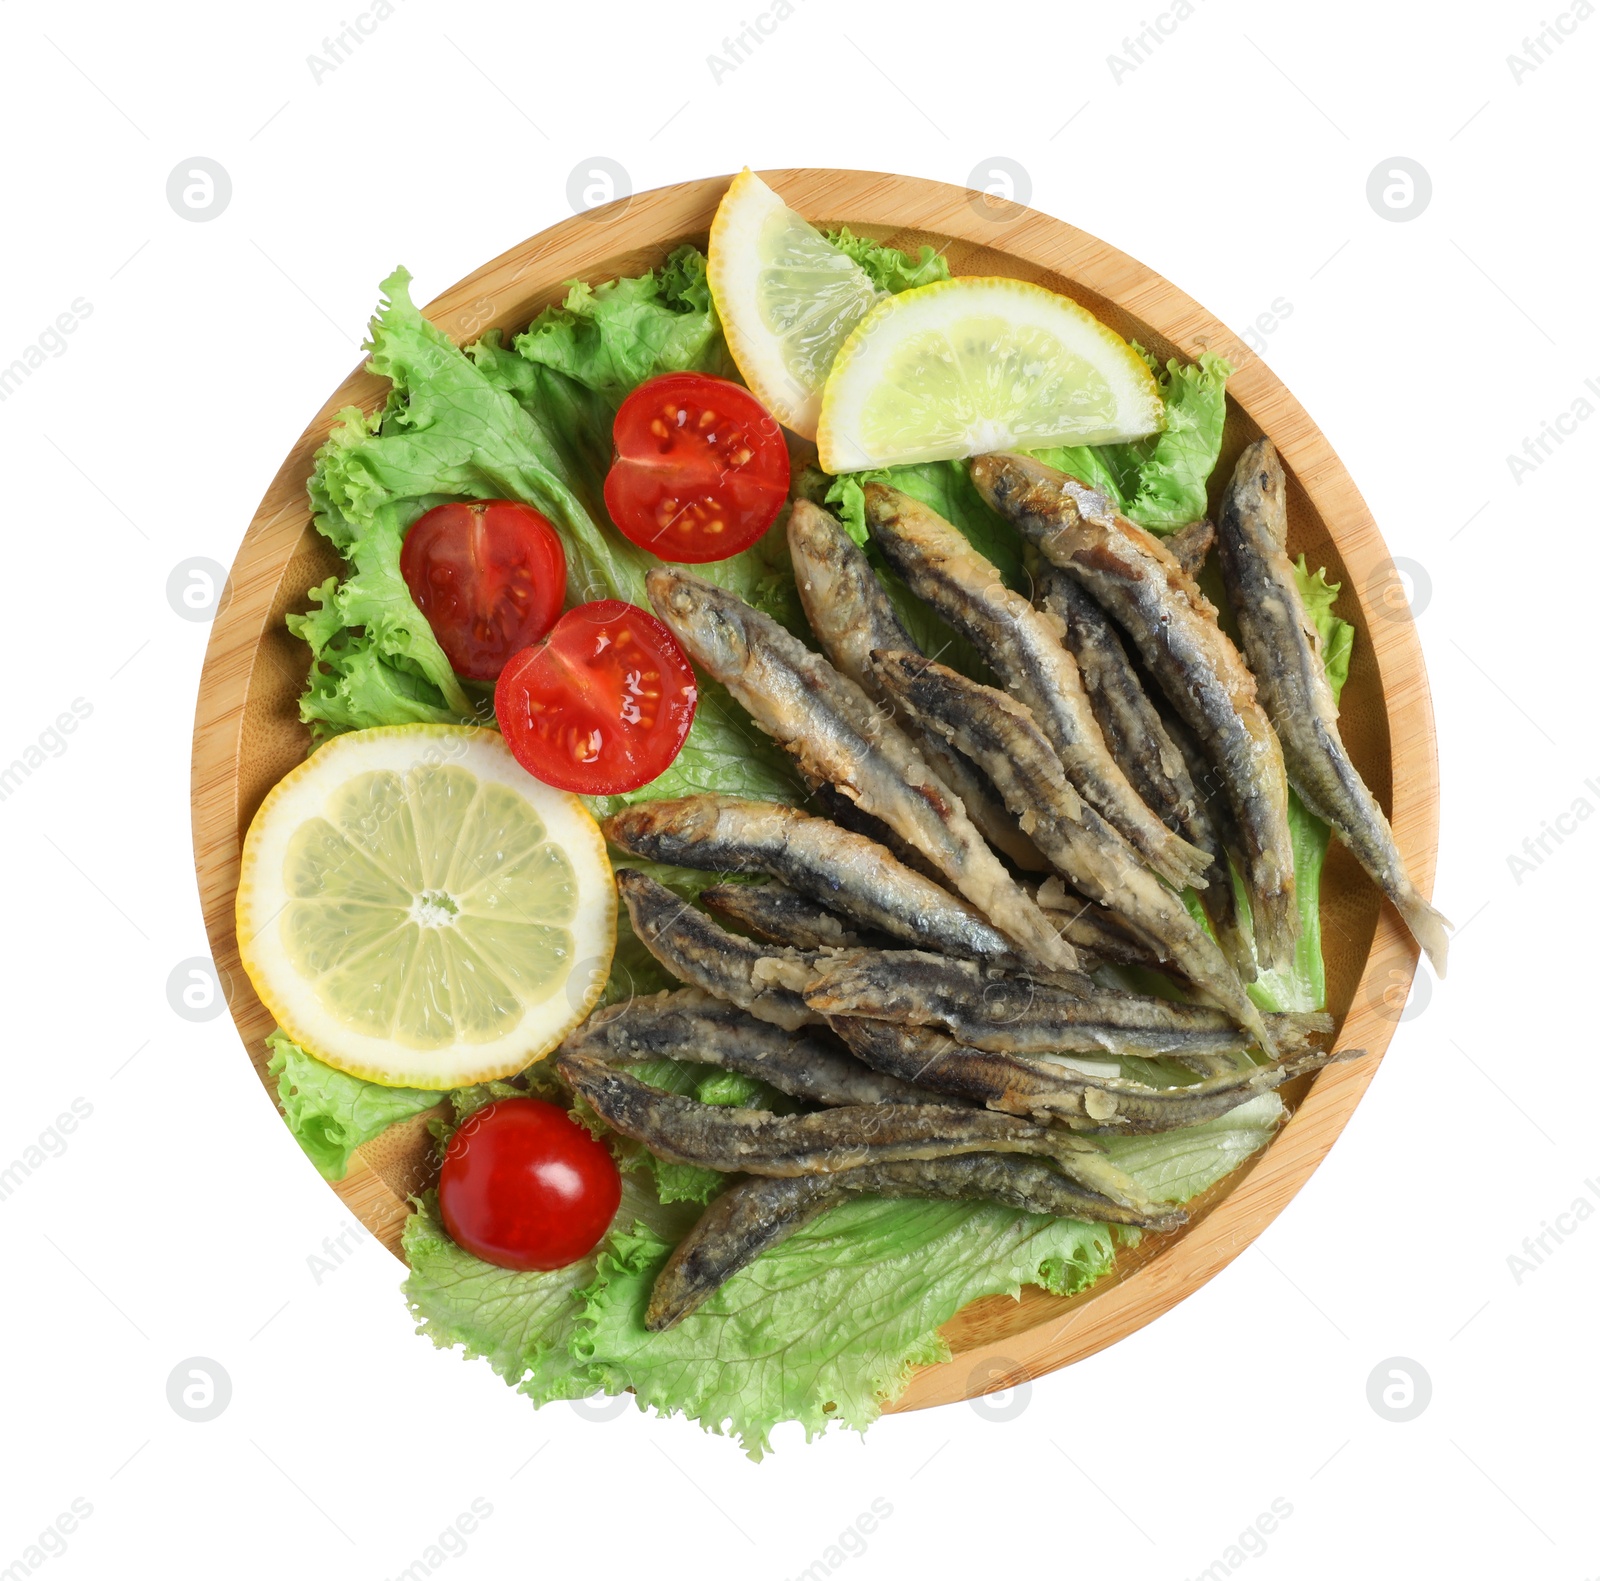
column 180, row 1218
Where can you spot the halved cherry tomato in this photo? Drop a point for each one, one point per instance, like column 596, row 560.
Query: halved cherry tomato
column 601, row 706
column 524, row 1186
column 701, row 468
column 491, row 577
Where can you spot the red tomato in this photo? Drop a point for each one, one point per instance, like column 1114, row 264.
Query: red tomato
column 524, row 1186
column 701, row 468
column 491, row 577
column 602, row 705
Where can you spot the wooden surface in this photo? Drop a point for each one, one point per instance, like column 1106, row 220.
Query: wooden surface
column 247, row 732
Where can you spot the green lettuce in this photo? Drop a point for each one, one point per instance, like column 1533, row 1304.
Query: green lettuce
column 331, row 1114
column 889, row 268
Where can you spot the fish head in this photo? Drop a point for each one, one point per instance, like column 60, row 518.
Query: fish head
column 706, row 619
column 1256, row 493
column 1035, row 496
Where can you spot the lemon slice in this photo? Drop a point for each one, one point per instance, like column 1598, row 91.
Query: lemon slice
column 964, row 366
column 418, row 910
column 786, row 299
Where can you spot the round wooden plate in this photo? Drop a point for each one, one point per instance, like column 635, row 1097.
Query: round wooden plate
column 248, row 734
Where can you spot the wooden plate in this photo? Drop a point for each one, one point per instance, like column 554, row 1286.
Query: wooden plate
column 247, row 731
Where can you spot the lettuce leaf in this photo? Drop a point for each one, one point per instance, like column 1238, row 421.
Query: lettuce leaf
column 331, row 1114
column 612, row 337
column 889, row 268
column 839, row 1314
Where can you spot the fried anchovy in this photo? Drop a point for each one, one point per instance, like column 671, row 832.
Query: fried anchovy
column 846, row 872
column 1024, row 648
column 1285, row 652
column 838, row 734
column 1093, row 930
column 775, row 912
column 696, row 951
column 1143, row 744
column 851, row 615
column 1000, row 734
column 1011, row 1015
column 1190, row 545
column 703, row 1030
column 752, row 1216
column 1043, row 1089
column 1174, row 627
column 756, row 1142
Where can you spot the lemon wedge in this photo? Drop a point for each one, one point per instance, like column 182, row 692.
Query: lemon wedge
column 964, row 366
column 416, row 909
column 786, row 299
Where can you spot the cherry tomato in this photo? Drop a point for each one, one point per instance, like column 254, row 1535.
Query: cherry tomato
column 701, row 468
column 523, row 1186
column 602, row 705
column 491, row 577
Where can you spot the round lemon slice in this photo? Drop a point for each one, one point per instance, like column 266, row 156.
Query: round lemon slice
column 786, row 299
column 418, row 910
column 964, row 366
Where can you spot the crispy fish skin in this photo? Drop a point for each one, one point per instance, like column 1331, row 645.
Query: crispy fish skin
column 1011, row 1015
column 1095, row 933
column 694, row 1026
column 999, row 734
column 1024, row 648
column 851, row 615
column 1144, row 744
column 838, row 734
column 756, row 1142
column 844, row 871
column 778, row 914
column 1285, row 652
column 1174, row 627
column 696, row 951
column 747, row 1219
column 1044, row 1090
column 754, row 1215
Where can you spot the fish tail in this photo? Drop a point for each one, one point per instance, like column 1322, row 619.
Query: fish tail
column 1429, row 927
column 1184, row 865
